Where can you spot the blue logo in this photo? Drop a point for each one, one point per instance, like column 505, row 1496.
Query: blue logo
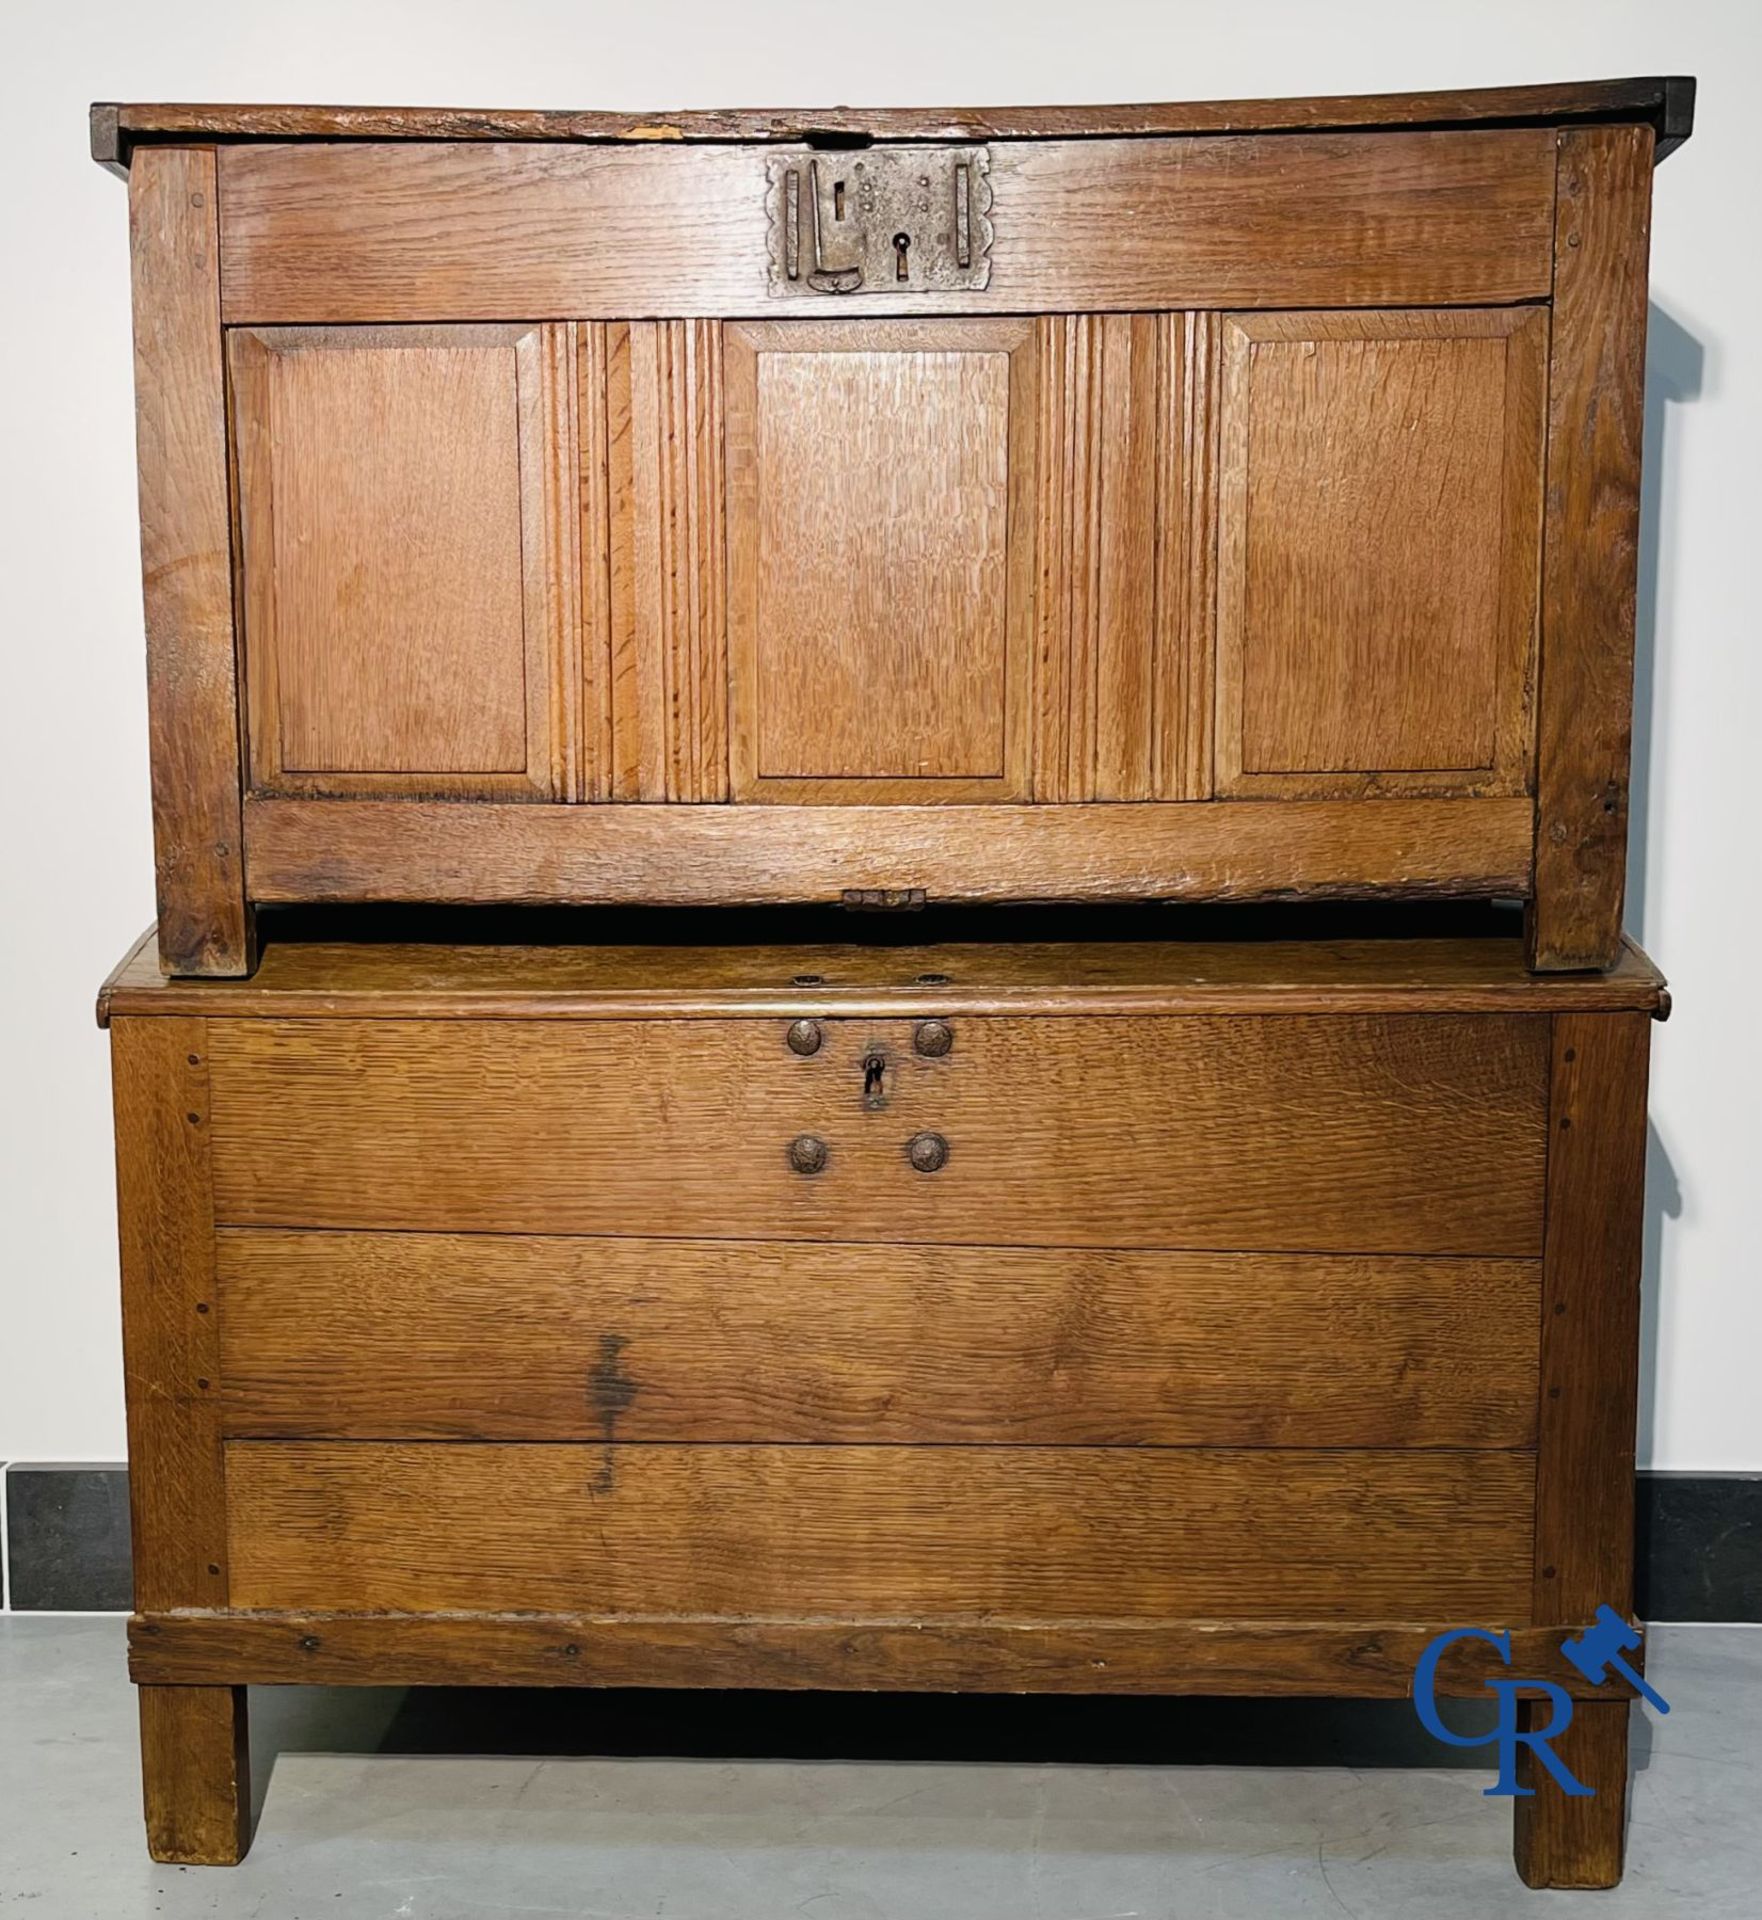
column 1597, row 1653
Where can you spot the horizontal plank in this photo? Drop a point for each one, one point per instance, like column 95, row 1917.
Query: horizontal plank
column 1665, row 103
column 1421, row 1134
column 410, row 1336
column 560, row 970
column 511, row 854
column 1361, row 1660
column 952, row 1532
column 331, row 233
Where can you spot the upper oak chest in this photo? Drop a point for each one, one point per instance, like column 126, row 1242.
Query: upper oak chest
column 1177, row 502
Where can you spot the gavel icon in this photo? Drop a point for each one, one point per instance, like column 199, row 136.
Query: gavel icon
column 1597, row 1653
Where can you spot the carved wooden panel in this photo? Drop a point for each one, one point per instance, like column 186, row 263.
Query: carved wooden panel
column 1187, row 563
column 407, row 547
column 1123, row 663
column 653, row 528
column 1378, row 553
column 881, row 481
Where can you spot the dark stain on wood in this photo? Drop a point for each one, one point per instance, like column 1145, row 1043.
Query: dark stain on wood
column 609, row 1392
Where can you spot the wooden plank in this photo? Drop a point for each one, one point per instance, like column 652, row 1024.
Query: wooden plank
column 1562, row 1841
column 1591, row 1315
column 1665, row 103
column 462, row 231
column 1363, row 1660
column 987, row 1532
column 1590, row 1387
column 195, row 1773
column 510, row 853
column 1325, row 220
column 1418, row 1135
column 205, row 924
column 171, row 1345
column 1596, row 422
column 408, row 1336
column 741, row 978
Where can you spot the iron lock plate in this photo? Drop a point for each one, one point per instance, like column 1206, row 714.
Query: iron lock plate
column 882, row 220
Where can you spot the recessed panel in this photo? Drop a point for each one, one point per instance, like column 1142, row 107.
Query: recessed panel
column 1378, row 550
column 391, row 490
column 879, row 558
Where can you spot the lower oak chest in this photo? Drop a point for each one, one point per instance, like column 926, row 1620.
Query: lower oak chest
column 1163, row 1317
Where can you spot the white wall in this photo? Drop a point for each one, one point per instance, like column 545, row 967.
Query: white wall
column 74, row 837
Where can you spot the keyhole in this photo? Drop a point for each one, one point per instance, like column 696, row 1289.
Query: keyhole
column 902, row 244
column 874, row 1071
column 837, row 199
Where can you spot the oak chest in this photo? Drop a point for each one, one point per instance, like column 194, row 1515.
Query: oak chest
column 1182, row 1316
column 1206, row 502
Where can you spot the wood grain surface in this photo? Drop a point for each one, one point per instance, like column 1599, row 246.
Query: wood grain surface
column 1399, row 1135
column 162, row 1093
column 409, row 1336
column 205, row 925
column 654, row 522
column 408, row 611
column 750, row 856
column 1379, row 551
column 1187, row 495
column 880, row 558
column 1596, row 423
column 1572, row 1841
column 195, row 1773
column 462, row 231
column 972, row 1532
column 1666, row 104
column 1584, row 1554
column 1591, row 1315
column 1105, row 653
column 1354, row 1660
column 750, row 978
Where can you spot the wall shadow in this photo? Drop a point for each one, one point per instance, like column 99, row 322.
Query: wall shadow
column 1676, row 364
column 1676, row 370
column 1663, row 1202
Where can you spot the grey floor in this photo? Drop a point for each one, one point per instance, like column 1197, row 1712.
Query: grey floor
column 382, row 1805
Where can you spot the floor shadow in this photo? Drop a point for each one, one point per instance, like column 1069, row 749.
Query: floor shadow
column 1001, row 1729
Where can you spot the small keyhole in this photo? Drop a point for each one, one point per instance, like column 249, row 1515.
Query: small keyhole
column 837, row 199
column 874, row 1071
column 902, row 246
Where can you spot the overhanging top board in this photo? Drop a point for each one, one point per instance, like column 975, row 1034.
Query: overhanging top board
column 1666, row 104
column 328, row 978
